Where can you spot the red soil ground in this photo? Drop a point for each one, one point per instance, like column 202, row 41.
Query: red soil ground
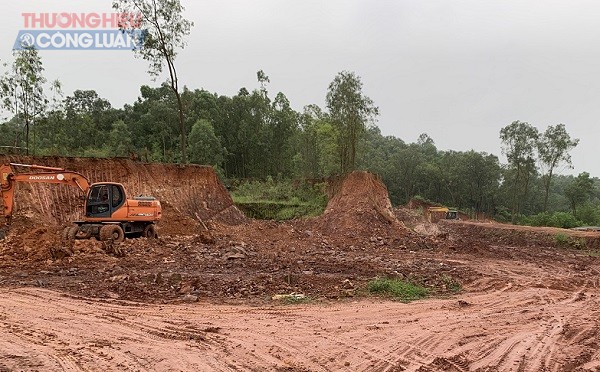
column 202, row 301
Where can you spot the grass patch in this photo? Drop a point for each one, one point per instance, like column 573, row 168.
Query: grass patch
column 397, row 289
column 561, row 239
column 280, row 200
column 278, row 210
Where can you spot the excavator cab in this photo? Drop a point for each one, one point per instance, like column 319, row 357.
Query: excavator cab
column 452, row 215
column 104, row 199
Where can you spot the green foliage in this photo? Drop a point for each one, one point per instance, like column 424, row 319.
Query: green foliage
column 589, row 214
column 553, row 148
column 563, row 220
column 22, row 89
column 579, row 190
column 279, row 211
column 519, row 140
column 317, row 154
column 205, row 146
column 165, row 31
column 397, row 289
column 280, row 200
column 120, row 142
column 350, row 112
column 561, row 239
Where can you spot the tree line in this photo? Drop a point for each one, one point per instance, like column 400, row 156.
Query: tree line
column 255, row 135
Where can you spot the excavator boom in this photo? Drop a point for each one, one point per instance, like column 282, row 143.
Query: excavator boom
column 9, row 179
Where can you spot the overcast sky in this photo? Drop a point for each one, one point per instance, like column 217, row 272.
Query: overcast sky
column 456, row 70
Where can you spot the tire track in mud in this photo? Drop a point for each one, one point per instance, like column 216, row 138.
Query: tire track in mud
column 511, row 329
column 542, row 312
column 84, row 347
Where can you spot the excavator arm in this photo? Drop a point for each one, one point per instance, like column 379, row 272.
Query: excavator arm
column 9, row 179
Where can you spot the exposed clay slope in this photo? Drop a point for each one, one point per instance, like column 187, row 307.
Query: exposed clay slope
column 188, row 193
column 361, row 206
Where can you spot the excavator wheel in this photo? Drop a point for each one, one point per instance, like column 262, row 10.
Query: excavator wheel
column 150, row 232
column 83, row 234
column 70, row 232
column 112, row 232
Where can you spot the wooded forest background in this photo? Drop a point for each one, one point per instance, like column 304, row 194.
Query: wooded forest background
column 257, row 135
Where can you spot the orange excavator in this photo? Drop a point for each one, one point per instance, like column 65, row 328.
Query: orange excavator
column 109, row 214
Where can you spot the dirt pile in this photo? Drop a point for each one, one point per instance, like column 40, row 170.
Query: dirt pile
column 410, row 217
column 360, row 207
column 189, row 193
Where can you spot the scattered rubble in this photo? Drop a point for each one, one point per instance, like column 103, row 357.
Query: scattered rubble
column 209, row 252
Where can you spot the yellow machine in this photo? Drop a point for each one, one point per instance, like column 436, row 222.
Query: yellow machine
column 435, row 214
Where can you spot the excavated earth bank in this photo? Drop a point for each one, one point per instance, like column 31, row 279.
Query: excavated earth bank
column 189, row 194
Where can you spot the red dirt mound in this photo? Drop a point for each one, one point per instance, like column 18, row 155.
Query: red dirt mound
column 189, row 193
column 360, row 207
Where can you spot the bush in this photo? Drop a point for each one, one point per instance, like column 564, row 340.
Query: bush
column 397, row 289
column 502, row 215
column 563, row 220
column 561, row 239
column 589, row 215
column 540, row 219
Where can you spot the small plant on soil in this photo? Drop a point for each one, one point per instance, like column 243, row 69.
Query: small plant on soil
column 451, row 284
column 580, row 243
column 398, row 289
column 561, row 239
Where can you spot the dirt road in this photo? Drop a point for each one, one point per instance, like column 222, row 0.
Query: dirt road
column 517, row 316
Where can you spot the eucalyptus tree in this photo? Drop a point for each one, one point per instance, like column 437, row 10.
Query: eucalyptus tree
column 351, row 113
column 22, row 88
column 579, row 191
column 553, row 149
column 164, row 33
column 519, row 141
